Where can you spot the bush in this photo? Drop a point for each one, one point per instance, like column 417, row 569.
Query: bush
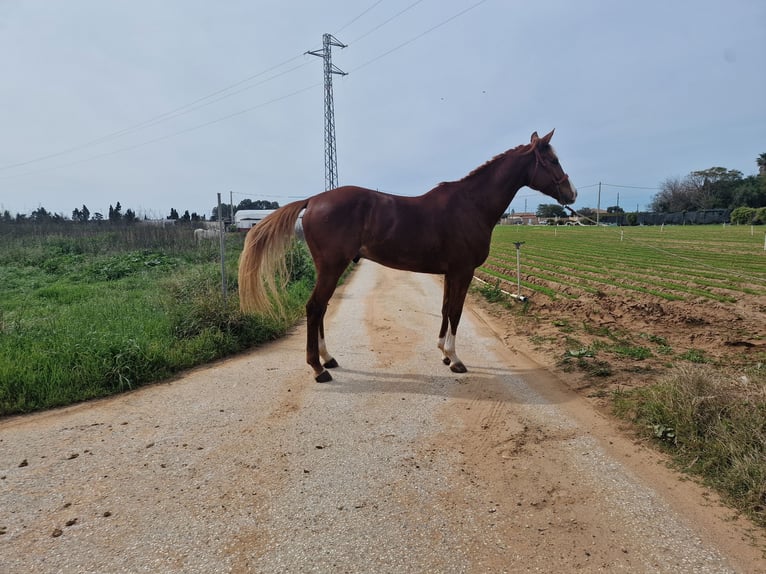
column 743, row 216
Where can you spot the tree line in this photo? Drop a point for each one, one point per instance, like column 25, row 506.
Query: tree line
column 117, row 215
column 716, row 188
column 713, row 188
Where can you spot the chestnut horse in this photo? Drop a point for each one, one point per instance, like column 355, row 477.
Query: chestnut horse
column 446, row 231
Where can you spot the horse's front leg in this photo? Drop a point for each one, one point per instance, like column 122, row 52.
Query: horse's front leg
column 445, row 323
column 457, row 288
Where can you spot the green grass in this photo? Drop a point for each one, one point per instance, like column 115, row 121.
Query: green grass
column 713, row 425
column 675, row 263
column 89, row 311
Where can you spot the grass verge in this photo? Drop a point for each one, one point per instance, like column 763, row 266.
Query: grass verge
column 714, row 426
column 89, row 315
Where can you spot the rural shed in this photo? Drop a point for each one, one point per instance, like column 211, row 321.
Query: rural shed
column 246, row 218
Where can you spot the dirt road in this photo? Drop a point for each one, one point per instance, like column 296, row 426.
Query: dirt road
column 398, row 465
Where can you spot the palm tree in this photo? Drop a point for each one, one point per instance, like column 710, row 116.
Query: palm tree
column 761, row 161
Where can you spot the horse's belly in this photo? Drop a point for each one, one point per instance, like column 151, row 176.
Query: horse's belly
column 407, row 258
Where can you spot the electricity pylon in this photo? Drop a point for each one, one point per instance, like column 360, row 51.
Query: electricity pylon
column 331, row 161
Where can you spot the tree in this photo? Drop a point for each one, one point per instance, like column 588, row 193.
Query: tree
column 751, row 192
column 41, row 215
column 550, row 211
column 615, row 209
column 130, row 216
column 115, row 213
column 674, row 195
column 173, row 214
column 761, row 161
column 257, row 204
column 712, row 188
column 81, row 215
column 225, row 212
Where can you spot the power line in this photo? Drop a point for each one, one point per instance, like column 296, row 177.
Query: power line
column 630, row 186
column 168, row 136
column 394, row 17
column 192, row 105
column 181, row 110
column 347, row 24
column 413, row 39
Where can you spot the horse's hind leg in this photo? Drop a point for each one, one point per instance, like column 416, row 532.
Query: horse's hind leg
column 327, row 359
column 315, row 311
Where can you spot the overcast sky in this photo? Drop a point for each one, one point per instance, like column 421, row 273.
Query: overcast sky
column 164, row 104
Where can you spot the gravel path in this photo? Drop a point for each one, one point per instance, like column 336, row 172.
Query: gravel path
column 397, row 465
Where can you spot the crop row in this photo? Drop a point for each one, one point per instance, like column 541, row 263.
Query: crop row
column 710, row 262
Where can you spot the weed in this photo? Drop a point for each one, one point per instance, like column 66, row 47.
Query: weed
column 715, row 426
column 694, row 356
column 492, row 292
column 631, row 351
column 564, row 325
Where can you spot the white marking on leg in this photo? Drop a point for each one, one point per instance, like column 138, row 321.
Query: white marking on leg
column 323, row 351
column 449, row 348
column 440, row 345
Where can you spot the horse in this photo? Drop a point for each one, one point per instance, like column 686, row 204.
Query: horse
column 446, row 231
column 202, row 234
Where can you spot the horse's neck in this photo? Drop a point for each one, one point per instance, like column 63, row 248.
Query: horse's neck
column 494, row 186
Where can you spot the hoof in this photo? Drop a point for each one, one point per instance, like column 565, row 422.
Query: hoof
column 323, row 377
column 331, row 364
column 446, row 360
column 458, row 368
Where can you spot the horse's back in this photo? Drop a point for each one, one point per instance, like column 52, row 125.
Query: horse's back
column 395, row 231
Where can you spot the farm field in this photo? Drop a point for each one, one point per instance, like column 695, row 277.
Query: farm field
column 664, row 327
column 694, row 293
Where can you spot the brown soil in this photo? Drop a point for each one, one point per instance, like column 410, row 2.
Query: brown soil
column 727, row 336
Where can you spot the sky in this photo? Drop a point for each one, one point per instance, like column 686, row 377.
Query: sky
column 164, row 105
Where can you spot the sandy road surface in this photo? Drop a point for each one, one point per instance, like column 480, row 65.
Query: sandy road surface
column 398, row 465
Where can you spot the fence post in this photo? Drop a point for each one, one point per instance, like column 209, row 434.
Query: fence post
column 518, row 245
column 222, row 238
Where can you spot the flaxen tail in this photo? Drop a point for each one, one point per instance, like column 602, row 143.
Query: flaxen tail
column 262, row 268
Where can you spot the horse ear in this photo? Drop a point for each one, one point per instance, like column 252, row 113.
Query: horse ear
column 547, row 138
column 534, row 138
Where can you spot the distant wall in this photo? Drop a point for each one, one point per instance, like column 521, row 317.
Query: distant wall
column 704, row 216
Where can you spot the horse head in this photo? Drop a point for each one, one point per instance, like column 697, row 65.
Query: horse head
column 547, row 175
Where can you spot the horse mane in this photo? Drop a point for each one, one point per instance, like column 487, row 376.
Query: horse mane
column 520, row 150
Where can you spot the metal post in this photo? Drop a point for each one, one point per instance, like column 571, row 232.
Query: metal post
column 518, row 245
column 221, row 233
column 598, row 204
